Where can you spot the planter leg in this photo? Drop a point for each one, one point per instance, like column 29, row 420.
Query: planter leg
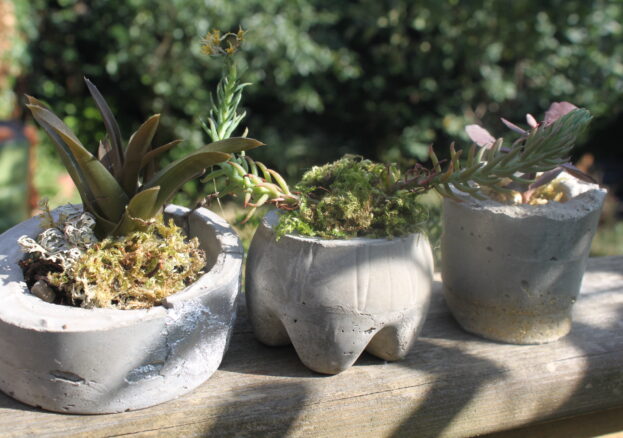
column 394, row 342
column 328, row 347
column 266, row 324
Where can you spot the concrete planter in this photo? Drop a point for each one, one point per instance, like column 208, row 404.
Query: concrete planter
column 512, row 273
column 333, row 299
column 75, row 360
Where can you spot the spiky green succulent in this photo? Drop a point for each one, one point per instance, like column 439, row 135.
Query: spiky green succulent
column 120, row 187
column 545, row 147
column 240, row 176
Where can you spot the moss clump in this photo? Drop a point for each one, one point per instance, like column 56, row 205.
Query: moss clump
column 353, row 197
column 132, row 272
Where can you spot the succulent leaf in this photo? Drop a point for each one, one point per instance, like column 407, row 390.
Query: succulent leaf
column 513, row 127
column 479, row 135
column 64, row 152
column 558, row 109
column 176, row 174
column 99, row 185
column 104, row 154
column 232, row 145
column 112, row 128
column 103, row 227
column 139, row 144
column 140, row 209
column 155, row 153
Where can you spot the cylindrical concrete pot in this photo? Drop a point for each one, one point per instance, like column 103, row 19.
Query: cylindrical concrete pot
column 512, row 273
column 333, row 299
column 94, row 361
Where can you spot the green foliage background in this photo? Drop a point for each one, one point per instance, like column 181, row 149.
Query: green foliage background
column 383, row 78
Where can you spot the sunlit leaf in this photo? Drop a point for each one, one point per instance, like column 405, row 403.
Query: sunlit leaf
column 480, row 135
column 155, row 153
column 68, row 159
column 106, row 192
column 232, row 145
column 513, row 127
column 175, row 175
column 141, row 208
column 104, row 154
column 112, row 128
column 557, row 110
column 139, row 144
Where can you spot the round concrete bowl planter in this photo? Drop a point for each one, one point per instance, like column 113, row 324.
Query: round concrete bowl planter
column 333, row 299
column 512, row 273
column 94, row 361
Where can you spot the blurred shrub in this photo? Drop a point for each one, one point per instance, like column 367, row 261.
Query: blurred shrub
column 383, row 78
column 13, row 168
column 13, row 52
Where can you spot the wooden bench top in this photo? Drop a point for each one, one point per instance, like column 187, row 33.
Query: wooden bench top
column 451, row 384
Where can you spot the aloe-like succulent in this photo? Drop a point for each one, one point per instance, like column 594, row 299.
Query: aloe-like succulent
column 120, row 187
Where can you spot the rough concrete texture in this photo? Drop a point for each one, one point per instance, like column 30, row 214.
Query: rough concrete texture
column 75, row 360
column 512, row 273
column 334, row 298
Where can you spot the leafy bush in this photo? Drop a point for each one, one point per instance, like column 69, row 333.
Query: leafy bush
column 379, row 78
column 13, row 167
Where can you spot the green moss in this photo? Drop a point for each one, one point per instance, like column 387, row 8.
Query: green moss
column 132, row 272
column 353, row 197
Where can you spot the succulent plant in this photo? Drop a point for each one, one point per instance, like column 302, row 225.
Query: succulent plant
column 120, row 187
column 545, row 147
column 240, row 176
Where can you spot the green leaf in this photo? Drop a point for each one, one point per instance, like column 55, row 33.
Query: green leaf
column 153, row 154
column 175, row 175
column 104, row 190
column 34, row 101
column 139, row 144
column 68, row 159
column 103, row 227
column 232, row 145
column 112, row 128
column 142, row 207
column 104, row 154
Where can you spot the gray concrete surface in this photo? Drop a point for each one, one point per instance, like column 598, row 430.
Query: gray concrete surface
column 333, row 299
column 513, row 272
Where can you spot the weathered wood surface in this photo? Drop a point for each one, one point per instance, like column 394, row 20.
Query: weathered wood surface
column 451, row 384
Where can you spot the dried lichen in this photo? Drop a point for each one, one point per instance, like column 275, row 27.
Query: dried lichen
column 132, row 272
column 353, row 197
column 59, row 246
column 62, row 241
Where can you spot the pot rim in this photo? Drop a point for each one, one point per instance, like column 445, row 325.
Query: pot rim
column 585, row 197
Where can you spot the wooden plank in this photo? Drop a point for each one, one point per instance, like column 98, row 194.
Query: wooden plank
column 602, row 424
column 452, row 384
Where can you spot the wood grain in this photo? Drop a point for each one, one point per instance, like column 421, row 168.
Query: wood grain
column 452, row 384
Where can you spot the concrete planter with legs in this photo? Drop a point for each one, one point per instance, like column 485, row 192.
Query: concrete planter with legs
column 333, row 299
column 512, row 273
column 75, row 360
